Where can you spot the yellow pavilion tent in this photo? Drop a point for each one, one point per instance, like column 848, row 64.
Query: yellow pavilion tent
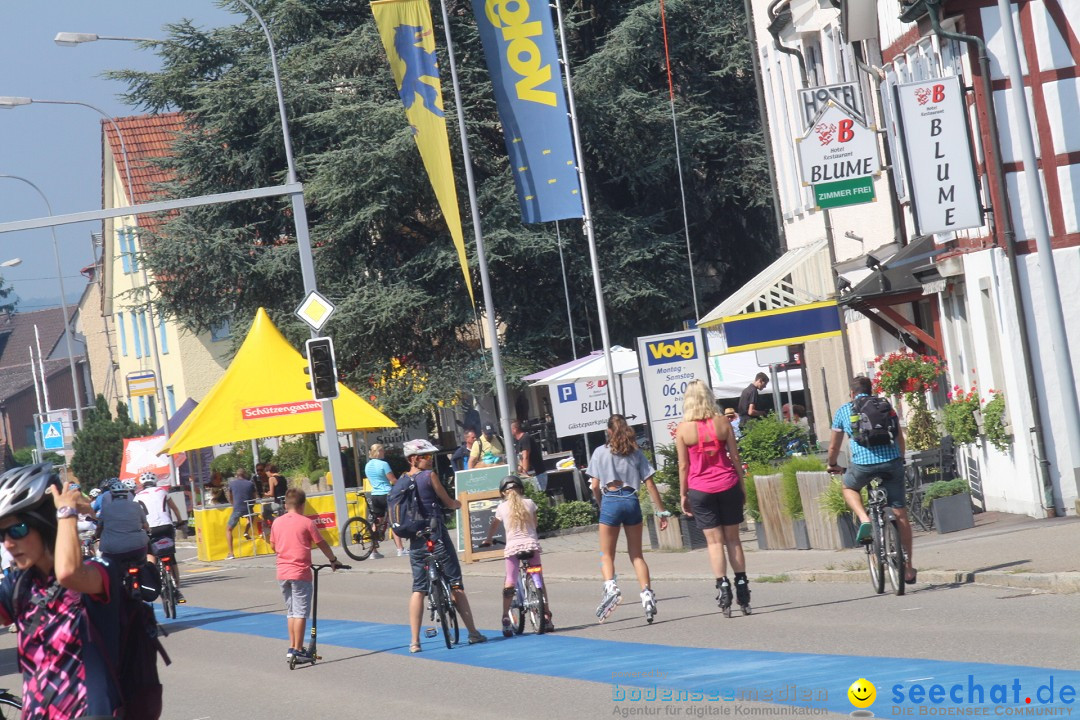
column 264, row 394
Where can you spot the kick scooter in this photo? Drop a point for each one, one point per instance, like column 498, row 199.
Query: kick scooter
column 311, row 653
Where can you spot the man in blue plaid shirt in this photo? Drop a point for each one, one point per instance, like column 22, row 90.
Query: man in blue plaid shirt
column 868, row 462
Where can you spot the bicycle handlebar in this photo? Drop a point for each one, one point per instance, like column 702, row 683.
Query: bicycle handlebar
column 340, row 566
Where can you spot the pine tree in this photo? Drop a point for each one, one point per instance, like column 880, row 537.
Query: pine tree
column 404, row 325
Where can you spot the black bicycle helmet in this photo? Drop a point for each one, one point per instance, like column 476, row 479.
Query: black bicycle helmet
column 23, row 488
column 510, row 481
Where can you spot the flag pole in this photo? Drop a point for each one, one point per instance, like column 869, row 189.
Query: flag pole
column 566, row 291
column 614, row 399
column 485, row 282
column 678, row 161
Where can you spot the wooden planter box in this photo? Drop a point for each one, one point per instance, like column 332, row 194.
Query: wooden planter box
column 802, row 535
column 762, row 540
column 953, row 513
column 826, row 532
column 682, row 534
column 779, row 528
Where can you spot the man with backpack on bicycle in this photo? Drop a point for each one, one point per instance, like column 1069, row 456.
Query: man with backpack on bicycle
column 160, row 511
column 877, row 451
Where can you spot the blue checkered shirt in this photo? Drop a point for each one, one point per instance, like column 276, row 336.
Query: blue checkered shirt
column 861, row 454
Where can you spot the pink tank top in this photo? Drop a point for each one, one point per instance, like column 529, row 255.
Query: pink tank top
column 711, row 470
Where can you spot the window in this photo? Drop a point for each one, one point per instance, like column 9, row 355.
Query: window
column 164, row 345
column 221, row 331
column 128, row 259
column 123, row 333
column 145, row 335
column 170, row 398
column 136, row 335
column 142, row 409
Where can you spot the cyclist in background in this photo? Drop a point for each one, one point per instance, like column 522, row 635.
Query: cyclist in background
column 518, row 514
column 867, row 462
column 433, row 499
column 377, row 471
column 122, row 526
column 160, row 511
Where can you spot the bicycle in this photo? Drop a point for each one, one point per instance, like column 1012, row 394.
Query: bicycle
column 164, row 551
column 886, row 551
column 11, row 701
column 361, row 535
column 529, row 599
column 440, row 595
column 312, row 655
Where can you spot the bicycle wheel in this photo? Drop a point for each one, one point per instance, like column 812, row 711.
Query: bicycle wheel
column 452, row 612
column 534, row 601
column 442, row 608
column 356, row 539
column 7, row 700
column 873, row 558
column 517, row 610
column 894, row 557
column 168, row 598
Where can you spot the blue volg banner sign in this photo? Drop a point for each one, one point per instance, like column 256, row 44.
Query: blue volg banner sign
column 519, row 44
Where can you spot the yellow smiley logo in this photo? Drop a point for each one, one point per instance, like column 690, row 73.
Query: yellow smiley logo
column 862, row 693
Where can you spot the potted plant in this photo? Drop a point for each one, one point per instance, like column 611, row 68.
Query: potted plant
column 752, row 509
column 832, row 503
column 912, row 376
column 681, row 532
column 793, row 498
column 950, row 502
column 996, row 427
column 960, row 415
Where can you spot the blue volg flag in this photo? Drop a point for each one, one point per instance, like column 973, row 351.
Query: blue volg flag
column 519, row 44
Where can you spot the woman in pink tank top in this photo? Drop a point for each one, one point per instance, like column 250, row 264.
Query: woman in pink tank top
column 711, row 487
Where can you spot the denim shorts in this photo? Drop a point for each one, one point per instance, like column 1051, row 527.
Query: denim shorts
column 297, row 594
column 448, row 562
column 620, row 507
column 234, row 519
column 892, row 479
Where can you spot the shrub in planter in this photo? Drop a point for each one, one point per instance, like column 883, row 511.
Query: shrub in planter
column 545, row 514
column 960, row 415
column 766, row 439
column 950, row 501
column 945, row 488
column 753, row 510
column 995, row 428
column 574, row 514
column 832, row 503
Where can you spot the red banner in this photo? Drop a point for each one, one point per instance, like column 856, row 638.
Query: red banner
column 324, row 521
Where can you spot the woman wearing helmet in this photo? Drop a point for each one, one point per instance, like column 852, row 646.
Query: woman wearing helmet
column 433, row 498
column 54, row 598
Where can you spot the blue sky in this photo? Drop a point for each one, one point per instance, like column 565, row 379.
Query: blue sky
column 57, row 147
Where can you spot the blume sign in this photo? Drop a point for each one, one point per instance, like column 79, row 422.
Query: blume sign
column 837, row 155
column 938, row 153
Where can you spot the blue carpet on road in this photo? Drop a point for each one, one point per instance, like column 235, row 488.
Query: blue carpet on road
column 719, row 675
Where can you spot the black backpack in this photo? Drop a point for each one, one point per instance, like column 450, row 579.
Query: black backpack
column 403, row 508
column 873, row 421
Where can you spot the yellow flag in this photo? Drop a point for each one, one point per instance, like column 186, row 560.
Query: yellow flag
column 409, row 38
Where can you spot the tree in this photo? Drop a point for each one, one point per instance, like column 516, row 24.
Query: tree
column 99, row 446
column 5, row 293
column 404, row 326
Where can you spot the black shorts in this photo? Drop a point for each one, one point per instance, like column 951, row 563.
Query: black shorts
column 160, row 531
column 712, row 510
column 378, row 505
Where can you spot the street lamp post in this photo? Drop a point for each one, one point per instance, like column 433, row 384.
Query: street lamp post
column 69, row 332
column 13, row 102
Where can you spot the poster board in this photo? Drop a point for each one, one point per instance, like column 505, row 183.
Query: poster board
column 477, row 510
column 475, row 481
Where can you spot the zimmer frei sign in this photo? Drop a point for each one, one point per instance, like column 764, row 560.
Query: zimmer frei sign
column 937, row 149
column 839, row 158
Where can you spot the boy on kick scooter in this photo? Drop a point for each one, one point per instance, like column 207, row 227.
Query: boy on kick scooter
column 291, row 537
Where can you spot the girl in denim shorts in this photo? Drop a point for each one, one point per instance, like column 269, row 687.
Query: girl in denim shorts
column 618, row 470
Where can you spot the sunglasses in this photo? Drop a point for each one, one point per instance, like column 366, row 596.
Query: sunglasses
column 17, row 531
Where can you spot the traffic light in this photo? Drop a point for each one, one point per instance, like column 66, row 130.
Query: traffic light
column 321, row 368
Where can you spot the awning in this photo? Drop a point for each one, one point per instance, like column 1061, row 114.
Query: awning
column 800, row 276
column 264, row 394
column 895, row 283
column 623, row 361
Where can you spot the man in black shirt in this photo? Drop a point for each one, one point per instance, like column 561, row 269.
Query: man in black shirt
column 529, row 456
column 749, row 402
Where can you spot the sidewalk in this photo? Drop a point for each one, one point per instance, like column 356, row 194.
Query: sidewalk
column 1002, row 550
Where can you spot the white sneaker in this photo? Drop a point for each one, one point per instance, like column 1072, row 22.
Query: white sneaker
column 376, row 555
column 402, row 552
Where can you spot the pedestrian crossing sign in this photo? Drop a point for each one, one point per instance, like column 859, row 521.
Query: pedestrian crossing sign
column 52, row 435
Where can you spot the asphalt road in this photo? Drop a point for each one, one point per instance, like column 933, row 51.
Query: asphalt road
column 800, row 650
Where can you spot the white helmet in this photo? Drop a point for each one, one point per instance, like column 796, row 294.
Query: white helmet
column 419, row 447
column 23, row 488
column 148, row 479
column 94, row 493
